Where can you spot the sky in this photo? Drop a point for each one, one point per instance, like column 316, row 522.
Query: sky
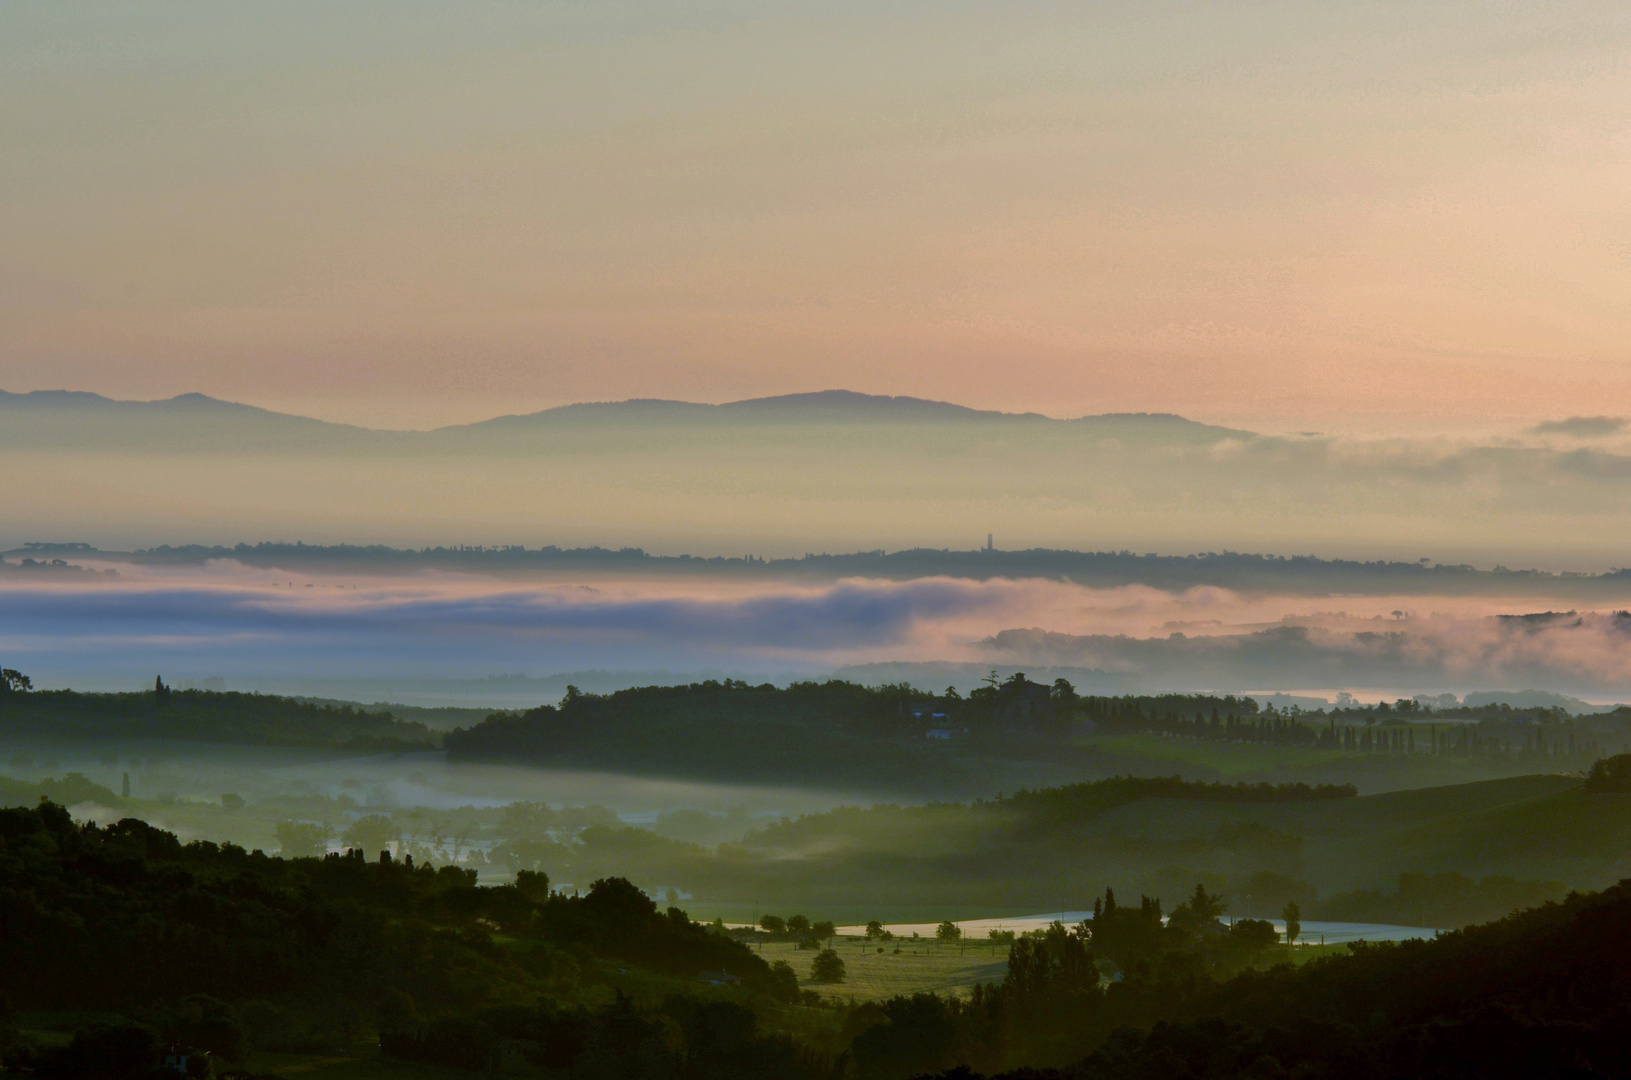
column 1341, row 216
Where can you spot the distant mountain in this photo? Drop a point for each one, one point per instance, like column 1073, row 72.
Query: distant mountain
column 73, row 420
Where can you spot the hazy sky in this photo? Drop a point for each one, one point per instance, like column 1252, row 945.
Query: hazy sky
column 1307, row 214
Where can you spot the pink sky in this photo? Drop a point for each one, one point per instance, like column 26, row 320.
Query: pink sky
column 1338, row 216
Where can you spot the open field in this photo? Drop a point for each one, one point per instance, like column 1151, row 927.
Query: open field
column 918, row 966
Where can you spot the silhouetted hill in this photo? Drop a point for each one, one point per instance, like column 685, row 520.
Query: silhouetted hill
column 75, row 420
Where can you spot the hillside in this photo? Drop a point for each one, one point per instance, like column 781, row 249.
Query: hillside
column 1438, row 857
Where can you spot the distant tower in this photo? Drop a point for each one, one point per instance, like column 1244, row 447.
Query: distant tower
column 989, row 544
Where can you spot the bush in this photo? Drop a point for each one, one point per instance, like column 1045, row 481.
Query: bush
column 828, row 967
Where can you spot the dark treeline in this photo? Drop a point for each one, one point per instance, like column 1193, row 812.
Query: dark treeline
column 1406, row 726
column 207, row 716
column 229, row 951
column 1100, row 568
column 809, row 721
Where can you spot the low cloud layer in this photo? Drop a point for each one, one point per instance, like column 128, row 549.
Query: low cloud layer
column 1583, row 427
column 244, row 624
column 252, row 626
column 1572, row 652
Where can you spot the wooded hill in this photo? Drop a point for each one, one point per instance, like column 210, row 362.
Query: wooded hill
column 845, row 736
column 208, row 716
column 149, row 940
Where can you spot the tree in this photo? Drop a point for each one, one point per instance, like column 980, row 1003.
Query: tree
column 773, row 924
column 371, row 834
column 1293, row 917
column 823, row 930
column 14, row 681
column 1205, row 907
column 799, row 925
column 874, row 930
column 828, row 967
column 948, row 931
column 301, row 839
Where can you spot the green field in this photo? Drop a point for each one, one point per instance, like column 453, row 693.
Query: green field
column 918, row 966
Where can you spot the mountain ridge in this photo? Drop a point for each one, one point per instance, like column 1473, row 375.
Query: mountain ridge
column 815, row 407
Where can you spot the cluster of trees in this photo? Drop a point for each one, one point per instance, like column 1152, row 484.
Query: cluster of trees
column 1065, row 990
column 798, row 928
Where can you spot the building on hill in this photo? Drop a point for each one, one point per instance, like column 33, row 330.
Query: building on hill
column 1021, row 701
